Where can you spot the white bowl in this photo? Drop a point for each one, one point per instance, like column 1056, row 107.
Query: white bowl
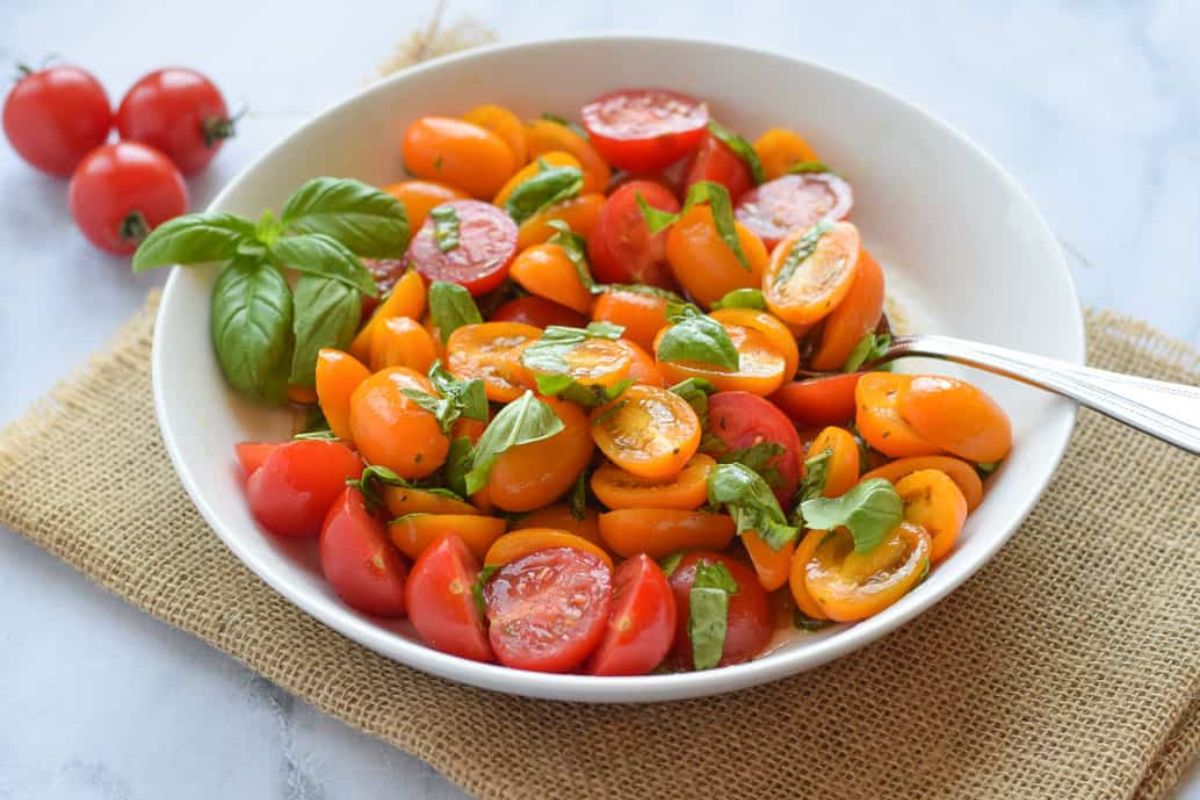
column 962, row 244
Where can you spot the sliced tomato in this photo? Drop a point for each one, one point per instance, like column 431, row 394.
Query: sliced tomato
column 441, row 604
column 962, row 473
column 748, row 624
column 357, row 559
column 642, row 314
column 521, row 543
column 849, row 586
column 643, row 130
column 714, row 161
column 621, row 249
column 741, row 421
column 642, row 623
column 807, row 280
column 616, row 488
column 856, row 316
column 793, row 202
column 958, row 417
column 879, row 397
column 487, row 244
column 818, row 402
column 658, row 532
column 647, row 431
column 491, row 351
column 251, row 455
column 385, row 272
column 297, row 483
column 538, row 311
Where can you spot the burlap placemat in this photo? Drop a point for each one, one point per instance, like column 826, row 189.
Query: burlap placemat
column 1068, row 667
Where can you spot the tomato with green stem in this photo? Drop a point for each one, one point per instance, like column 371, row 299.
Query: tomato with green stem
column 53, row 117
column 178, row 112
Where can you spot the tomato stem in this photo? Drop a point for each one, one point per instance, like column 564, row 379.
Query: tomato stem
column 218, row 129
column 134, row 228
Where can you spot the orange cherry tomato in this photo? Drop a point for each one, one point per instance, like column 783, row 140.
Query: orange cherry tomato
column 594, row 362
column 421, row 197
column 470, row 428
column 850, row 586
column 547, row 271
column 957, row 416
column 934, row 501
column 809, row 291
column 407, row 299
column 828, row 400
column 616, row 488
column 402, row 342
column 841, row 470
column 459, row 153
column 534, row 475
column 855, row 317
column 769, row 326
column 559, row 517
column 798, row 576
column 390, row 429
column 502, row 122
column 962, row 473
column 518, row 544
column 401, row 500
column 704, row 265
column 552, row 159
column 643, row 369
column 642, row 314
column 772, row 566
column 761, row 368
column 338, row 374
column 412, row 533
column 580, row 214
column 658, row 532
column 491, row 351
column 647, row 431
column 545, row 136
column 780, row 149
column 877, row 398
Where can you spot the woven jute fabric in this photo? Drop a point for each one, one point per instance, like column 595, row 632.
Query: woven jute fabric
column 1068, row 667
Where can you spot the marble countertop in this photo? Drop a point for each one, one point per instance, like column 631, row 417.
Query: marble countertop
column 1092, row 106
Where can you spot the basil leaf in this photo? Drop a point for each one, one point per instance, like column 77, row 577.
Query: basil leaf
column 445, row 227
column 802, row 167
column 523, row 421
column 573, row 127
column 760, row 458
column 696, row 392
column 547, row 355
column 548, row 186
column 451, row 306
column 320, row 435
column 717, row 197
column 698, row 338
column 468, row 396
column 326, row 314
column 193, row 239
column 749, row 500
column 367, row 221
column 708, row 613
column 869, row 348
column 567, row 388
column 742, row 298
column 458, row 463
column 805, row 246
column 870, row 511
column 481, row 580
column 740, row 147
column 604, row 415
column 816, row 473
column 575, row 248
column 802, row 621
column 656, row 219
column 649, row 291
column 251, row 324
column 670, row 563
column 375, row 474
column 322, row 255
column 577, row 497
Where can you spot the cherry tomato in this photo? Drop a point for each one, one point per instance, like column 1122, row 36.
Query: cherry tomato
column 643, row 369
column 647, row 431
column 658, row 532
column 502, row 122
column 402, row 342
column 740, row 420
column 386, row 272
column 748, row 624
column 842, row 467
column 421, row 197
column 933, row 501
column 412, row 533
column 402, row 500
column 779, row 150
column 770, row 565
column 704, row 265
column 798, row 577
column 777, row 334
column 56, row 116
column 251, row 455
column 555, row 158
column 616, row 488
column 878, row 397
column 487, row 243
column 642, row 623
column 391, row 429
column 818, row 402
column 642, row 314
column 714, row 161
column 622, row 249
column 357, row 559
column 962, row 473
column 850, row 586
column 338, row 374
column 956, row 416
column 579, row 213
column 857, row 315
column 521, row 543
column 459, row 153
column 546, row 136
column 407, row 299
column 121, row 192
column 538, row 311
column 548, row 610
column 793, row 203
column 178, row 112
column 491, row 351
column 297, row 483
column 593, row 362
column 547, row 271
column 440, row 603
column 533, row 475
column 761, row 368
column 643, row 130
column 561, row 517
column 806, row 292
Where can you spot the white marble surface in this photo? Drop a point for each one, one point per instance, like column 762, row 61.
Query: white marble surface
column 1093, row 106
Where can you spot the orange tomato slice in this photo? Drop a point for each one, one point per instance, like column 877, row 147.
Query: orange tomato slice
column 580, row 214
column 545, row 136
column 647, row 431
column 642, row 315
column 877, row 398
column 518, row 544
column 934, row 501
column 547, row 271
column 553, row 159
column 805, row 292
column 761, row 368
column 658, row 532
column 414, row 532
column 530, row 476
column 616, row 488
column 491, row 351
column 407, row 299
column 957, row 416
column 338, row 374
column 702, row 262
column 798, row 575
column 856, row 316
column 559, row 517
column 777, row 334
column 962, row 473
column 593, row 362
column 389, row 428
column 421, row 197
column 841, row 470
column 401, row 500
column 642, row 368
column 850, row 586
column 402, row 342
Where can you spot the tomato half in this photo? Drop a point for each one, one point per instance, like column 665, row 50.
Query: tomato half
column 798, row 576
column 357, row 559
column 741, row 421
column 297, row 483
column 957, row 416
column 857, row 315
column 616, row 488
column 538, row 311
column 802, row 285
column 714, row 161
column 933, row 501
column 440, row 603
column 643, row 369
column 793, row 203
column 642, row 314
column 406, row 299
column 642, row 623
column 251, row 455
column 547, row 271
column 491, row 351
column 338, row 374
column 402, row 500
column 560, row 517
column 842, row 465
column 850, row 586
column 776, row 333
column 761, row 367
column 621, row 249
column 504, row 123
column 402, row 342
column 579, row 213
column 704, row 265
column 818, row 402
column 962, row 473
column 648, row 431
column 658, row 532
column 544, row 136
column 770, row 565
column 643, row 130
column 533, row 475
column 391, row 429
column 749, row 622
column 487, row 244
column 878, row 396
column 521, row 543
column 780, row 149
column 421, row 197
column 413, row 533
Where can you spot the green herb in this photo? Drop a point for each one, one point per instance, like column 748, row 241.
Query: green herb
column 445, row 227
column 987, row 467
column 802, row 167
column 869, row 348
column 717, row 197
column 458, row 463
column 708, row 612
column 548, row 186
column 451, row 307
column 805, row 246
column 816, row 473
column 548, row 354
column 698, row 338
column 364, row 219
column 656, row 219
column 607, row 413
column 481, row 580
column 524, row 421
column 571, row 390
column 251, row 324
column 321, row 255
column 740, row 147
column 575, row 248
column 193, row 239
column 749, row 500
column 314, row 420
column 327, row 314
column 318, row 435
column 574, row 127
column 649, row 291
column 803, row 622
column 742, row 298
column 459, row 398
column 696, row 392
column 760, row 457
column 577, row 497
column 375, row 474
column 670, row 563
column 870, row 510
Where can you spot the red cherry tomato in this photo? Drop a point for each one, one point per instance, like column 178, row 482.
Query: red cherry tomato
column 714, row 161
column 385, row 271
column 440, row 602
column 359, row 561
column 643, row 130
column 177, row 111
column 621, row 248
column 487, row 243
column 641, row 626
column 251, row 455
column 741, row 420
column 539, row 311
column 548, row 610
column 56, row 116
column 793, row 202
column 818, row 402
column 748, row 624
column 297, row 483
column 121, row 192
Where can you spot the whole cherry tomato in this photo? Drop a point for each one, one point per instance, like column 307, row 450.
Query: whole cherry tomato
column 297, row 483
column 642, row 623
column 714, row 161
column 56, row 116
column 179, row 112
column 359, row 562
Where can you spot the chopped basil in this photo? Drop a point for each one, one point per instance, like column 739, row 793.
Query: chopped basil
column 459, row 398
column 577, row 497
column 869, row 348
column 549, row 185
column 698, row 338
column 708, row 613
column 805, row 246
column 816, row 473
column 759, row 457
column 988, row 467
column 575, row 247
column 481, row 580
column 751, row 503
column 740, row 147
column 870, row 511
column 803, row 167
column 451, row 306
column 656, row 219
column 670, row 562
column 458, row 463
column 547, row 355
column 742, row 298
column 803, row 622
column 717, row 197
column 523, row 421
column 696, row 392
column 445, row 227
column 375, row 474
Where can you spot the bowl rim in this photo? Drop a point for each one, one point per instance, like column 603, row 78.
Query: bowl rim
column 645, row 688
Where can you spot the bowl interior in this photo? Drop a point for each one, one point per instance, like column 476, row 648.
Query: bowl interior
column 965, row 251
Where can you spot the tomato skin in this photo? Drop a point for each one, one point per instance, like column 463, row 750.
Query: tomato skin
column 545, row 270
column 553, row 158
column 548, row 610
column 522, row 542
column 647, row 431
column 793, row 202
column 458, row 153
column 580, row 213
column 357, row 559
column 779, row 149
column 749, row 623
column 297, row 483
column 817, row 286
column 530, row 476
column 962, row 473
column 843, row 467
column 390, row 429
column 440, row 603
column 761, row 369
column 538, row 311
column 407, row 299
column 658, row 532
column 544, row 136
column 502, row 122
column 642, row 315
column 487, row 246
column 337, row 375
column 617, row 489
column 643, row 369
column 704, row 265
column 857, row 315
column 491, row 351
column 179, row 112
column 958, row 417
column 420, row 197
column 56, row 116
column 878, row 399
column 850, row 586
column 118, row 181
column 621, row 249
column 643, row 130
column 642, row 623
column 818, row 402
column 715, row 162
column 777, row 334
column 741, row 420
column 251, row 455
column 559, row 516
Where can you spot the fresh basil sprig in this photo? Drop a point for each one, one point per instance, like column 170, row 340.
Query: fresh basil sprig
column 805, row 246
column 523, row 421
column 368, row 221
column 251, row 324
column 742, row 298
column 717, row 197
column 708, row 612
column 869, row 348
column 749, row 500
column 445, row 227
column 450, row 307
column 458, row 398
column 549, row 185
column 327, row 315
column 698, row 338
column 870, row 510
column 740, row 147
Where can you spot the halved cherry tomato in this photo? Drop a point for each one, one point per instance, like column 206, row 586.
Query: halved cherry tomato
column 548, row 610
column 440, row 603
column 807, row 292
column 741, row 421
column 357, row 559
column 487, row 244
column 401, row 500
column 580, row 214
column 748, row 623
column 391, row 429
column 621, row 249
column 658, row 532
column 407, row 299
column 547, row 271
column 934, row 501
column 420, row 197
column 560, row 517
column 878, row 396
column 793, row 203
column 502, row 122
column 643, row 130
column 841, row 470
column 491, row 351
column 402, row 342
column 642, row 623
column 545, row 136
column 648, row 431
column 780, row 149
column 412, row 533
column 771, row 566
column 297, row 483
column 532, row 475
column 642, row 314
column 643, row 369
column 850, row 586
column 704, row 265
column 459, row 153
column 760, row 371
column 521, row 543
column 798, row 577
column 857, row 315
column 769, row 326
column 616, row 488
column 338, row 374
column 592, row 362
column 962, row 473
column 818, row 402
column 956, row 416
column 555, row 158
column 251, row 455
column 714, row 161
column 538, row 311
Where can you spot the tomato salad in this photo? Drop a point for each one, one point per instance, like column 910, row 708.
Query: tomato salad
column 603, row 410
